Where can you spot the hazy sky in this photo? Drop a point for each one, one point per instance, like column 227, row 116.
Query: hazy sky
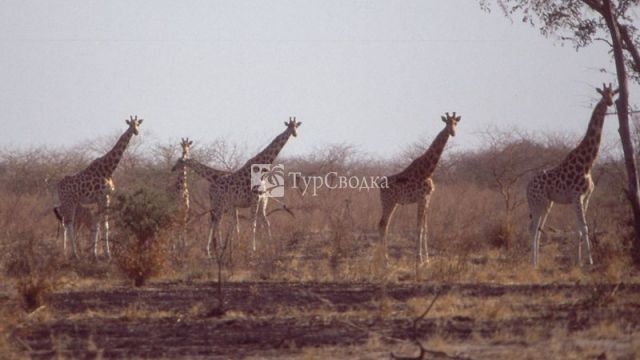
column 377, row 74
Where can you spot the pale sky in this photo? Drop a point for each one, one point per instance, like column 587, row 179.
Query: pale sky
column 376, row 74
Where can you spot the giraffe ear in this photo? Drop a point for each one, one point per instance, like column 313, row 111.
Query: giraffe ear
column 299, row 123
column 458, row 118
column 444, row 119
column 616, row 91
column 190, row 142
column 140, row 121
column 128, row 122
column 599, row 91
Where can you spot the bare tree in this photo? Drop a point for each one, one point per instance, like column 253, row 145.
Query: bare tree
column 508, row 157
column 508, row 162
column 221, row 154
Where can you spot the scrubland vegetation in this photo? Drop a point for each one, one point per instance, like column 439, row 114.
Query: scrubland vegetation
column 324, row 273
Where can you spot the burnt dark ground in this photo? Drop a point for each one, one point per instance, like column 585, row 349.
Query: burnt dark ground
column 269, row 319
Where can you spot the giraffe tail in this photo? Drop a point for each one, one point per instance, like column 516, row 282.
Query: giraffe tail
column 56, row 211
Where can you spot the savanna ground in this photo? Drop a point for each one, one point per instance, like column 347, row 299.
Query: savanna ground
column 320, row 288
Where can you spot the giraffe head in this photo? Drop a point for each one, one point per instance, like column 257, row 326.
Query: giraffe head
column 292, row 125
column 186, row 145
column 134, row 124
column 452, row 122
column 607, row 93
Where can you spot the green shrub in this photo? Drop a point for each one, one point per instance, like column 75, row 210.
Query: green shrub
column 142, row 219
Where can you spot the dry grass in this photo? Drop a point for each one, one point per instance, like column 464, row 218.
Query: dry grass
column 332, row 237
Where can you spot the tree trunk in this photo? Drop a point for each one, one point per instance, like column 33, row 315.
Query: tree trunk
column 631, row 48
column 622, row 107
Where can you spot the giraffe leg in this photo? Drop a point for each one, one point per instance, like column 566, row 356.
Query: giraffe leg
column 539, row 210
column 106, row 227
column 64, row 239
column 95, row 235
column 106, row 236
column 254, row 224
column 583, row 231
column 217, row 243
column 420, row 238
column 388, row 207
column 72, row 236
column 213, row 229
column 424, row 227
column 543, row 221
column 69, row 219
column 237, row 223
column 534, row 227
column 236, row 230
column 265, row 221
column 585, row 204
column 65, row 233
column 99, row 221
column 69, row 233
column 209, row 237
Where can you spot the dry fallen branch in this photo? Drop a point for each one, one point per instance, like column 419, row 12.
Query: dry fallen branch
column 414, row 337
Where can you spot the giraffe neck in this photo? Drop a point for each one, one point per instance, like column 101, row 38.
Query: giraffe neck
column 269, row 154
column 426, row 164
column 209, row 173
column 179, row 185
column 184, row 191
column 584, row 155
column 106, row 164
column 182, row 183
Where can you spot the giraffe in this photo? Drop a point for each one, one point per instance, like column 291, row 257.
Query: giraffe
column 93, row 185
column 414, row 185
column 570, row 182
column 235, row 191
column 181, row 187
column 208, row 173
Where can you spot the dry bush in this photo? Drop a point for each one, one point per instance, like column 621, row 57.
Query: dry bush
column 30, row 261
column 33, row 291
column 501, row 234
column 35, row 268
column 141, row 243
column 7, row 346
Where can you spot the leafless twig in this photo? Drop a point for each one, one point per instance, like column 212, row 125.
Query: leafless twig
column 414, row 336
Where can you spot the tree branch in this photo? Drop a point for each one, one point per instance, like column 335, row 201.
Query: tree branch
column 630, row 47
column 423, row 351
column 595, row 5
column 603, row 40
